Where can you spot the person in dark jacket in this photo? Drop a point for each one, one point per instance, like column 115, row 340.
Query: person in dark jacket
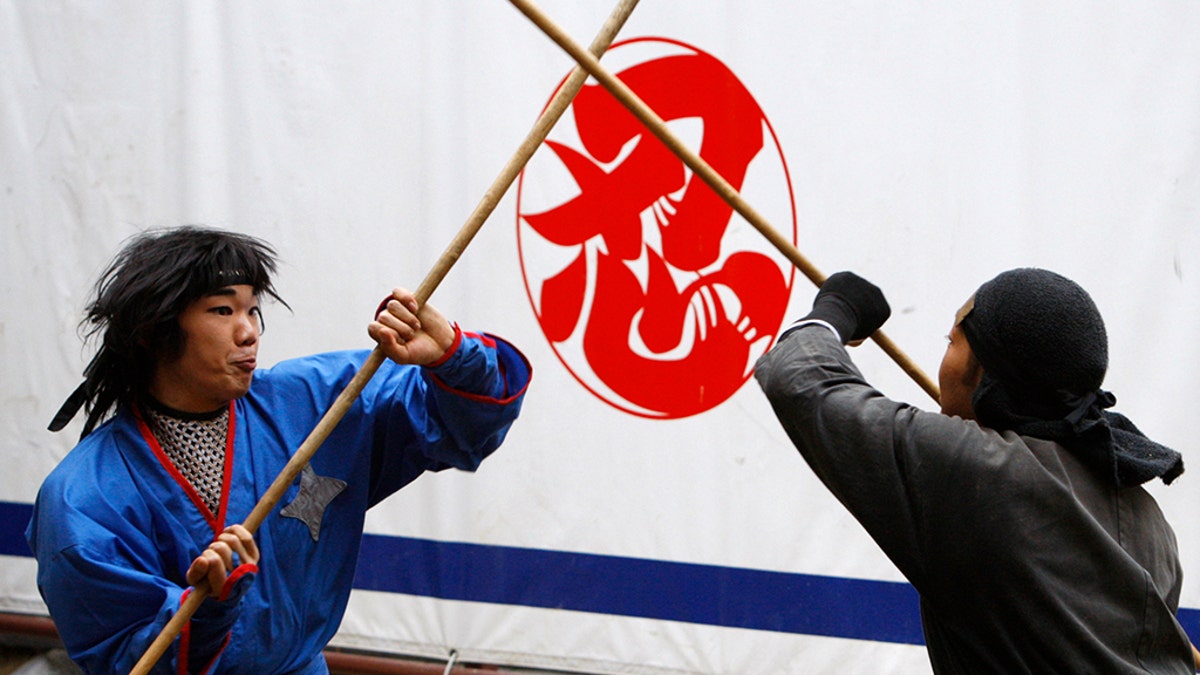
column 1016, row 512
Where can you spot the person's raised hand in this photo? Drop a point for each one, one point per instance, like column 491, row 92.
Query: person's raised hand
column 854, row 306
column 409, row 334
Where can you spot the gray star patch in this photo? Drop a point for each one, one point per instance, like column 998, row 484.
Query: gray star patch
column 310, row 503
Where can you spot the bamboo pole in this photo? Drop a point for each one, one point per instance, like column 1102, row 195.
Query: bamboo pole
column 491, row 198
column 658, row 127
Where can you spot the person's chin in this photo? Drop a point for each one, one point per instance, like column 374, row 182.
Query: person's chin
column 239, row 388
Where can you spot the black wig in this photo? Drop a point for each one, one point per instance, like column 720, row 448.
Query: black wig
column 137, row 302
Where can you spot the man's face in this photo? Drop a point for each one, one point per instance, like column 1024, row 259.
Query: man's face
column 220, row 350
column 960, row 372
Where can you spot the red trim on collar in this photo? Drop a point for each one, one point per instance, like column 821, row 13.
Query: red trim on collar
column 219, row 525
column 217, row 521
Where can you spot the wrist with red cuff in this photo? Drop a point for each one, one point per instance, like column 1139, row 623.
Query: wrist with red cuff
column 207, row 634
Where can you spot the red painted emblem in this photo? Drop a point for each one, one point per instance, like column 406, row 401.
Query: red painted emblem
column 653, row 293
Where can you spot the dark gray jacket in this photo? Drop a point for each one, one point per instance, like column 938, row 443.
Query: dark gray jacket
column 1025, row 560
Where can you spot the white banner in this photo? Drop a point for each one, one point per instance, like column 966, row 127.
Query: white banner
column 646, row 514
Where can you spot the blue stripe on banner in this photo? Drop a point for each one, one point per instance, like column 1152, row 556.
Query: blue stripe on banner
column 1190, row 620
column 13, row 519
column 655, row 589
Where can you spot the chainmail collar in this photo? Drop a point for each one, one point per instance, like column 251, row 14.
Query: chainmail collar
column 195, row 443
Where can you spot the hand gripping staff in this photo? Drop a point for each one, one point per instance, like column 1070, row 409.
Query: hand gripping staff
column 270, row 499
column 722, row 187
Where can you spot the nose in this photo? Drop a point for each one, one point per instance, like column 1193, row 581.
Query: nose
column 248, row 330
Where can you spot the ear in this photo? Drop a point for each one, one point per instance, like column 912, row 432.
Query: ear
column 973, row 376
column 974, row 372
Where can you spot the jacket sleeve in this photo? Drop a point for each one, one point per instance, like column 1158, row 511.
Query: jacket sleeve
column 104, row 580
column 864, row 446
column 208, row 632
column 109, row 608
column 452, row 414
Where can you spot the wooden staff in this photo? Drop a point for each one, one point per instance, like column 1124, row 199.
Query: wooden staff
column 658, row 127
column 558, row 105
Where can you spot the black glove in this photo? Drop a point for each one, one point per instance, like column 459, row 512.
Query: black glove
column 852, row 305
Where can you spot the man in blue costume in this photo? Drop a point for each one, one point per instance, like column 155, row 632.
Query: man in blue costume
column 184, row 434
column 1018, row 513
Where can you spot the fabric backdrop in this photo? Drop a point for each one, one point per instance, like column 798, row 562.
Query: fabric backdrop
column 646, row 514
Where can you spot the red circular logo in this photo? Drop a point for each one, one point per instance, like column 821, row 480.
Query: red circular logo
column 651, row 290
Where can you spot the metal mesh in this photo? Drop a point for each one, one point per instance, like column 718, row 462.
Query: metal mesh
column 197, row 449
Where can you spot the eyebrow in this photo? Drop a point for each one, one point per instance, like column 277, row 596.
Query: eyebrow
column 223, row 291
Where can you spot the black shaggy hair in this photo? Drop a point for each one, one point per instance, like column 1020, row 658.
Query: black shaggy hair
column 137, row 301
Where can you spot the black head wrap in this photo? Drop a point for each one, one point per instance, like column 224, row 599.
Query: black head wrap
column 1044, row 351
column 137, row 302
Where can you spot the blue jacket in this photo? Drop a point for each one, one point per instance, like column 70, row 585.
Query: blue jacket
column 115, row 528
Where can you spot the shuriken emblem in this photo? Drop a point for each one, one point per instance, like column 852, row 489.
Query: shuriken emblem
column 310, row 503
